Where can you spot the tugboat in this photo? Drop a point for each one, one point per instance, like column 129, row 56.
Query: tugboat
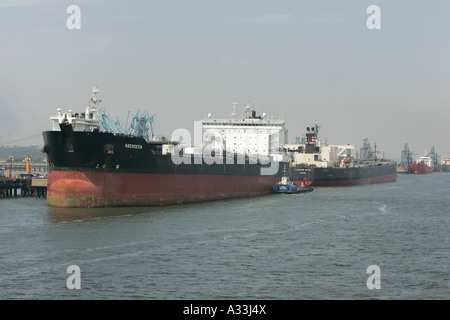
column 287, row 186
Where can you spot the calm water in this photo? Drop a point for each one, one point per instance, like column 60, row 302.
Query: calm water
column 306, row 246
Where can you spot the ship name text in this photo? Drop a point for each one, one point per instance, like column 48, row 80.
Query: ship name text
column 133, row 146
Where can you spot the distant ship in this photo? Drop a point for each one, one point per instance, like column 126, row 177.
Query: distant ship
column 94, row 162
column 435, row 159
column 335, row 165
column 429, row 163
column 423, row 165
column 445, row 167
column 406, row 160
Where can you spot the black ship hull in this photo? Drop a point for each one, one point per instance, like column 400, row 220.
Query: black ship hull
column 345, row 176
column 101, row 169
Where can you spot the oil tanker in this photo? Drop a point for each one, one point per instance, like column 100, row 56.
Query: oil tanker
column 423, row 165
column 445, row 167
column 94, row 162
column 321, row 164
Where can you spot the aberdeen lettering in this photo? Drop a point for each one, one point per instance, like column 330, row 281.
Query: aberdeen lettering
column 133, row 146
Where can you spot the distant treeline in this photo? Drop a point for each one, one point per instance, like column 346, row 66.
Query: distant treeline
column 20, row 153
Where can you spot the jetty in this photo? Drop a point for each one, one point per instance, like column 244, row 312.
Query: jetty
column 23, row 187
column 23, row 184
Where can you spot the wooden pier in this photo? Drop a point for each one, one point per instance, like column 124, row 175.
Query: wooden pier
column 10, row 187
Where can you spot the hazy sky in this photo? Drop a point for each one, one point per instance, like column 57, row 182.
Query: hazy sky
column 297, row 60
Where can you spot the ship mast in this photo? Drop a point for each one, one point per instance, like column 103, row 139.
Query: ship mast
column 316, row 126
column 94, row 104
column 94, row 99
column 233, row 114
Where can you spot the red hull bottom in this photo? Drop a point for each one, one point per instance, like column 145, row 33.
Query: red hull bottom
column 99, row 189
column 421, row 168
column 423, row 171
column 355, row 182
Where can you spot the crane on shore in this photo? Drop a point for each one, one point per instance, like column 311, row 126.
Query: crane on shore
column 20, row 139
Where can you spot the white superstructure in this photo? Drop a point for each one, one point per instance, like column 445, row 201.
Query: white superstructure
column 312, row 151
column 250, row 135
column 428, row 161
column 326, row 156
column 87, row 121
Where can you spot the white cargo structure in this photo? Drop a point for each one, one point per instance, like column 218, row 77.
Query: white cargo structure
column 250, row 135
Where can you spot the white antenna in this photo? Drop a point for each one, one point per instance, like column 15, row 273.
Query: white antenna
column 248, row 111
column 233, row 114
column 94, row 99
